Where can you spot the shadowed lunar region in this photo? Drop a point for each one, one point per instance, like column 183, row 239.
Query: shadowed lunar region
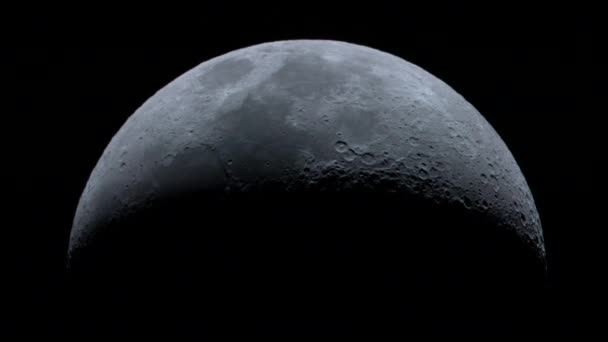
column 306, row 188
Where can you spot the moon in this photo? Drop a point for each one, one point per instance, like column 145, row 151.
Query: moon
column 313, row 128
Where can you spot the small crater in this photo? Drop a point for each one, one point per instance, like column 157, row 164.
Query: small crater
column 484, row 204
column 387, row 162
column 359, row 150
column 368, row 159
column 467, row 202
column 350, row 155
column 493, row 170
column 341, row 146
column 414, row 141
column 422, row 173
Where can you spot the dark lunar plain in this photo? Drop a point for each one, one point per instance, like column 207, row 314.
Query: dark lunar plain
column 74, row 80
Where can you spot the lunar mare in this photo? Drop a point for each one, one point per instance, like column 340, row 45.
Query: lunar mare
column 296, row 114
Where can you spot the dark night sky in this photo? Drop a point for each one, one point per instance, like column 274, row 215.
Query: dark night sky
column 73, row 80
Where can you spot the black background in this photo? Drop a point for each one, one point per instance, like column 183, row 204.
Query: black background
column 73, row 79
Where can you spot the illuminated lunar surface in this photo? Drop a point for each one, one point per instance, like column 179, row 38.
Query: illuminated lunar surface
column 308, row 178
column 300, row 111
